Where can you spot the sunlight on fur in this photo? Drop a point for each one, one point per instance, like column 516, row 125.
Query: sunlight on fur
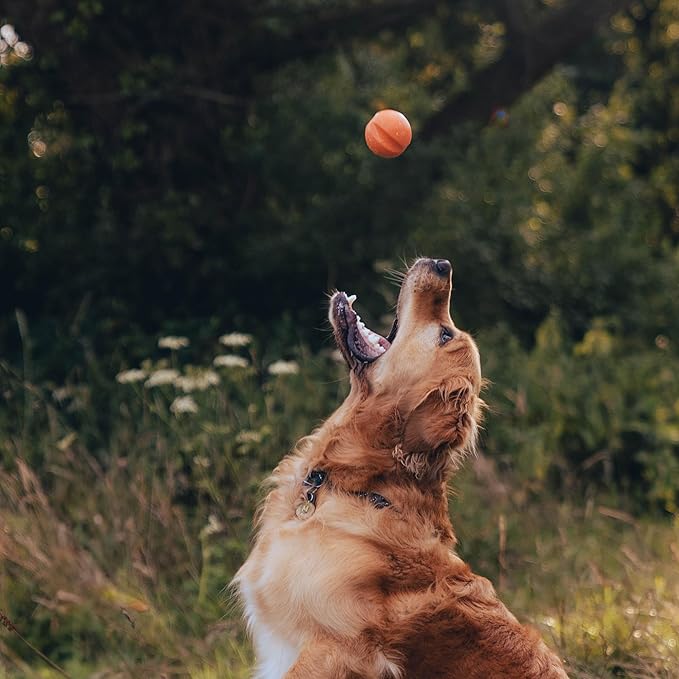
column 353, row 572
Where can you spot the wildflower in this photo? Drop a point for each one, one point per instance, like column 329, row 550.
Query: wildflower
column 161, row 377
column 230, row 361
column 236, row 339
column 201, row 461
column 186, row 384
column 247, row 436
column 9, row 35
column 662, row 342
column 23, row 50
column 173, row 342
column 284, row 368
column 213, row 526
column 62, row 394
column 131, row 376
column 183, row 404
column 67, row 441
column 198, row 381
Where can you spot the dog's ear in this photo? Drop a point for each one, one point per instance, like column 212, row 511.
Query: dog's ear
column 444, row 420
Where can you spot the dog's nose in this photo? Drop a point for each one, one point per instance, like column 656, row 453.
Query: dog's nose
column 443, row 267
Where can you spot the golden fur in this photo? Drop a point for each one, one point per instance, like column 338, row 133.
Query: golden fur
column 356, row 591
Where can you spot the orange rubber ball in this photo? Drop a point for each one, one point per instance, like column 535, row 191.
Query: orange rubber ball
column 388, row 133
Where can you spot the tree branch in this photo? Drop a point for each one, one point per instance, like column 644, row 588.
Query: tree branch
column 552, row 39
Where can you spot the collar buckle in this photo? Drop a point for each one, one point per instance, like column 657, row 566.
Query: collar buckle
column 314, row 480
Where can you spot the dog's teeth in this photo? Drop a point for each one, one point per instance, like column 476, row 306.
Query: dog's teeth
column 351, row 299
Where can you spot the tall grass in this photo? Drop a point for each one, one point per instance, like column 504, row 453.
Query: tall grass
column 125, row 509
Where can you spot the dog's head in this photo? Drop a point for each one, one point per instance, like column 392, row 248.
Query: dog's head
column 425, row 375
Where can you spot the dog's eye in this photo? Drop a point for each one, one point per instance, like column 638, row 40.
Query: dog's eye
column 446, row 335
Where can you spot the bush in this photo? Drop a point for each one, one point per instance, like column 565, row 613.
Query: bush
column 594, row 412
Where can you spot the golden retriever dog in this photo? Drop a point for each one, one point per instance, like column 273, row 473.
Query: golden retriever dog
column 353, row 573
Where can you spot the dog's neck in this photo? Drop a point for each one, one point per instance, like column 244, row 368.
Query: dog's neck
column 357, row 459
column 363, row 440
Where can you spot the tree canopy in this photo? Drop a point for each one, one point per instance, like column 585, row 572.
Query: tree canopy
column 204, row 163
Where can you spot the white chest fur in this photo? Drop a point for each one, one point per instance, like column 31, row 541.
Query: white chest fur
column 275, row 656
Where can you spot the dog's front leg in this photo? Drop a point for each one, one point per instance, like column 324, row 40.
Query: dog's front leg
column 320, row 660
column 330, row 660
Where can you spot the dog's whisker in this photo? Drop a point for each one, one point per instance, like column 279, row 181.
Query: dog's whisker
column 395, row 273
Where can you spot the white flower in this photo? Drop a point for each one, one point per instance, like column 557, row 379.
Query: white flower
column 62, row 394
column 161, row 377
column 23, row 50
column 230, row 361
column 201, row 461
column 9, row 34
column 284, row 368
column 247, row 436
column 197, row 382
column 130, row 376
column 213, row 526
column 173, row 342
column 184, row 404
column 236, row 339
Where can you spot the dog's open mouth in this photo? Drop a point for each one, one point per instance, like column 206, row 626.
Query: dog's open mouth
column 356, row 341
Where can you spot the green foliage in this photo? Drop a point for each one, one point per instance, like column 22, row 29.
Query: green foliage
column 192, row 168
column 598, row 583
column 118, row 544
column 186, row 167
column 127, row 537
column 586, row 413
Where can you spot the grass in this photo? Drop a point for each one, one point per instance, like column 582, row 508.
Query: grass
column 123, row 517
column 601, row 585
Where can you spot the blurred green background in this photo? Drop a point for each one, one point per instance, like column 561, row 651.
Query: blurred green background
column 181, row 185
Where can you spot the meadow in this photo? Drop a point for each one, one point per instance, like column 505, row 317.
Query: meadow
column 181, row 184
column 126, row 505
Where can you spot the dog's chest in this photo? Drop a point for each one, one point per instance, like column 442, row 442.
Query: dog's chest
column 300, row 581
column 275, row 654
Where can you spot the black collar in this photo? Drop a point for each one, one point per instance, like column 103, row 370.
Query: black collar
column 317, row 477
